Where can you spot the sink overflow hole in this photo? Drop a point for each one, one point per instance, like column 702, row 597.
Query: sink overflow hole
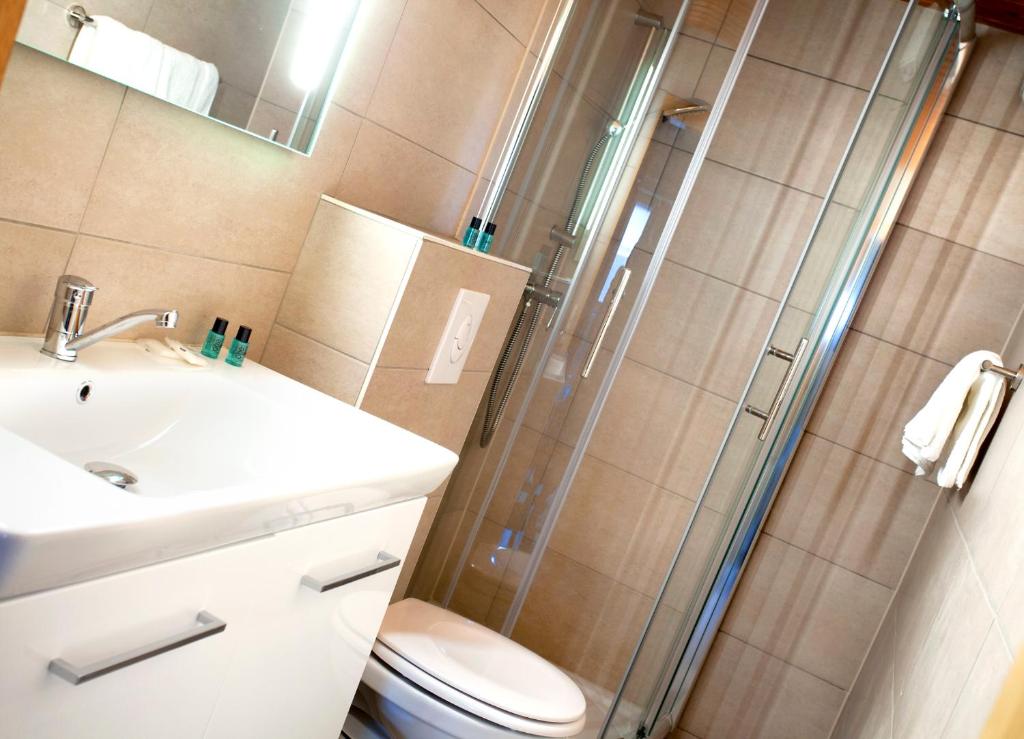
column 84, row 391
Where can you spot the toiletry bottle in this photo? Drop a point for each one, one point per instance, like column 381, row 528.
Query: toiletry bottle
column 484, row 244
column 239, row 346
column 472, row 233
column 215, row 339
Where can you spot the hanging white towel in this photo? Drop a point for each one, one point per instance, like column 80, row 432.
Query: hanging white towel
column 138, row 60
column 955, row 419
column 973, row 425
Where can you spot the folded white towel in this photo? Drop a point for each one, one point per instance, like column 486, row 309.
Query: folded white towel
column 137, row 60
column 964, row 407
column 983, row 403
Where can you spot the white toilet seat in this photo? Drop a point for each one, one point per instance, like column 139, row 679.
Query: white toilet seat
column 421, row 641
column 435, row 691
column 433, row 673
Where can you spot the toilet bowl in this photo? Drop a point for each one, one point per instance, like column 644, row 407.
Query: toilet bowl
column 436, row 675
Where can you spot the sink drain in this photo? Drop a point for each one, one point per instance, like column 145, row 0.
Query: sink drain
column 112, row 473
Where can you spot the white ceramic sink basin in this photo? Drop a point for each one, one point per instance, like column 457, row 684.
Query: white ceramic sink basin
column 222, row 454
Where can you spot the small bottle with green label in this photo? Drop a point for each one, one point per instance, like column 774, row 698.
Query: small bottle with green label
column 215, row 339
column 484, row 243
column 239, row 347
column 472, row 233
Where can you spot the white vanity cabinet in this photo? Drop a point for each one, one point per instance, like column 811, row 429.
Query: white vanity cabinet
column 236, row 642
column 301, row 655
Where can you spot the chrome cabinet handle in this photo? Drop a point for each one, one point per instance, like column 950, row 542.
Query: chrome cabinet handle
column 609, row 316
column 206, row 626
column 794, row 361
column 383, row 563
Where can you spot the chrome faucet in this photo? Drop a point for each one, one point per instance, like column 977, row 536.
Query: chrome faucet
column 71, row 301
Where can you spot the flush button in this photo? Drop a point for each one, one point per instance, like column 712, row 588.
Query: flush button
column 457, row 338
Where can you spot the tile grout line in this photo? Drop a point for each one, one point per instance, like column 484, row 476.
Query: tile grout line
column 890, row 588
column 989, row 126
column 786, row 662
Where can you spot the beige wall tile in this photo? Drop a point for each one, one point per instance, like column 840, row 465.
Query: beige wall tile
column 794, row 605
column 174, row 180
column 31, row 260
column 373, row 32
column 735, row 23
column 620, row 525
column 684, row 68
column 717, row 344
column 873, row 390
column 347, row 279
column 481, row 577
column 132, row 277
column 758, row 251
column 548, row 166
column 703, row 17
column 745, row 693
column 44, row 27
column 441, row 413
column 436, row 87
column 940, row 299
column 314, row 364
column 438, row 275
column 596, row 637
column 867, row 713
column 941, row 625
column 397, row 178
column 829, row 38
column 416, row 547
column 981, row 688
column 518, row 16
column 774, row 121
column 658, row 428
column 713, row 75
column 447, row 533
column 847, row 508
column 47, row 173
column 970, row 189
column 989, row 91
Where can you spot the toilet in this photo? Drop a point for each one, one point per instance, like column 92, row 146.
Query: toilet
column 433, row 674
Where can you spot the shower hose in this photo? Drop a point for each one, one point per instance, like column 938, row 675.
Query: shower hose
column 530, row 309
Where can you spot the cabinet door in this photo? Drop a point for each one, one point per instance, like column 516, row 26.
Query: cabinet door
column 146, row 648
column 302, row 654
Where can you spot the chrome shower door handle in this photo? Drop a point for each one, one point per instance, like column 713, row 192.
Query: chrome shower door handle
column 768, row 417
column 609, row 316
column 206, row 626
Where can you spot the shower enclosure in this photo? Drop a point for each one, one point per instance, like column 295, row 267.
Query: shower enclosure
column 672, row 345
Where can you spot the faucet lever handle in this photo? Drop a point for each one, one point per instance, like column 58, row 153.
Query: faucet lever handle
column 74, row 289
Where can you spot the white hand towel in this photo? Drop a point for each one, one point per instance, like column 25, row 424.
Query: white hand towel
column 137, row 60
column 927, row 433
column 983, row 403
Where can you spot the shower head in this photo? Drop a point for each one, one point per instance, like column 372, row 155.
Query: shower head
column 615, row 128
column 686, row 107
column 649, row 20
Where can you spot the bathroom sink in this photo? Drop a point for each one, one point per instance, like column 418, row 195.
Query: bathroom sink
column 220, row 454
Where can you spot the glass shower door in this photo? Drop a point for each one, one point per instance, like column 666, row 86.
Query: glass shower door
column 769, row 418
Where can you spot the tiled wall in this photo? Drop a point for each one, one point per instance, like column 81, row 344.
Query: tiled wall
column 939, row 658
column 156, row 205
column 850, row 511
column 402, row 284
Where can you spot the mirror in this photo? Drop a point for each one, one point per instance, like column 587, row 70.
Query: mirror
column 264, row 66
